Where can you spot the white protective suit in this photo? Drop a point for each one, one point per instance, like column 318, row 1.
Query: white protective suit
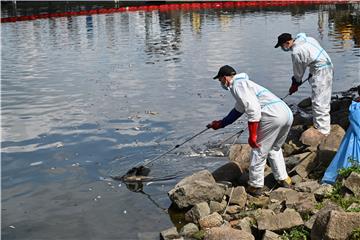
column 307, row 52
column 275, row 119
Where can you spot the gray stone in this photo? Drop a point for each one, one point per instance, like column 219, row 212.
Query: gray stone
column 284, row 194
column 323, row 191
column 217, row 207
column 312, row 137
column 321, row 219
column 199, row 187
column 304, row 168
column 308, row 186
column 240, row 153
column 286, row 220
column 188, row 230
column 260, row 201
column 199, row 210
column 233, row 209
column 245, row 224
column 170, row 234
column 269, row 235
column 210, row 221
column 238, row 196
column 294, row 160
column 305, row 103
column 227, row 233
column 337, row 225
column 353, row 183
column 296, row 179
column 230, row 172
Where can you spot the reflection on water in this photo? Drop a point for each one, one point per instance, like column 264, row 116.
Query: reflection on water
column 87, row 97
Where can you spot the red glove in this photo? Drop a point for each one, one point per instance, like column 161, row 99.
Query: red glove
column 294, row 86
column 215, row 124
column 253, row 126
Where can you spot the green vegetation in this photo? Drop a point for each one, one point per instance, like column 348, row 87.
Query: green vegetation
column 337, row 195
column 355, row 235
column 199, row 235
column 297, row 233
column 345, row 172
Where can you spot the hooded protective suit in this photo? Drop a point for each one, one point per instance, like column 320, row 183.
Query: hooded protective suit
column 275, row 117
column 307, row 52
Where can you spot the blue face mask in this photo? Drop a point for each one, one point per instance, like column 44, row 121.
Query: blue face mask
column 225, row 87
column 285, row 49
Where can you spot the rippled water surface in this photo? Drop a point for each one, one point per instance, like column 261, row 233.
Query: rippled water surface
column 86, row 97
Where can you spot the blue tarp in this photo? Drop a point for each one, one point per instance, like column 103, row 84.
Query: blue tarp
column 349, row 147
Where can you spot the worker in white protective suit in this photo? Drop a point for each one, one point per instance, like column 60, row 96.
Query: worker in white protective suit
column 269, row 121
column 307, row 52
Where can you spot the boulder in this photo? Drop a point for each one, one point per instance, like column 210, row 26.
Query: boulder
column 269, row 235
column 170, row 234
column 305, row 103
column 318, row 226
column 199, row 210
column 210, row 221
column 188, row 230
column 245, row 224
column 199, row 187
column 304, row 168
column 238, row 196
column 353, row 183
column 230, row 172
column 276, row 222
column 312, row 137
column 227, row 233
column 294, row 160
column 217, row 206
column 329, row 146
column 323, row 191
column 308, row 186
column 240, row 153
column 336, row 225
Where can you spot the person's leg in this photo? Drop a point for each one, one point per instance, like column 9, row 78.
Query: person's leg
column 321, row 85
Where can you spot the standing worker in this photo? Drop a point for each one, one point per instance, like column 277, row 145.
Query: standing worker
column 269, row 121
column 307, row 52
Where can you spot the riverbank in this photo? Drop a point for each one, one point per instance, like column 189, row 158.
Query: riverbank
column 216, row 205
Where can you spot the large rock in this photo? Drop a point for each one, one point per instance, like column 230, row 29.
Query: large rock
column 307, row 165
column 276, row 222
column 308, row 186
column 337, row 225
column 238, row 196
column 305, row 103
column 269, row 235
column 188, row 230
column 353, row 183
column 312, row 137
column 240, row 153
column 318, row 225
column 230, row 172
column 199, row 187
column 210, row 221
column 170, row 234
column 217, row 207
column 200, row 210
column 294, row 160
column 329, row 146
column 227, row 233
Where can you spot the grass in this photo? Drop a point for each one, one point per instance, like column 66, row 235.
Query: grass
column 355, row 235
column 297, row 233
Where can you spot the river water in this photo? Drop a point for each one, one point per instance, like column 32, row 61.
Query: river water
column 87, row 97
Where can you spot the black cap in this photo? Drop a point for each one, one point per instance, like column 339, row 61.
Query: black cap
column 283, row 38
column 225, row 71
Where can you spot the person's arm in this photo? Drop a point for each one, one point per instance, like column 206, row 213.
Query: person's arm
column 231, row 117
column 299, row 67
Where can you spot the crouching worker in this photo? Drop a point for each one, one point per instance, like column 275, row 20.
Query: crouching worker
column 269, row 121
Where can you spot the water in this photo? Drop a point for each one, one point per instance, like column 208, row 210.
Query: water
column 86, row 97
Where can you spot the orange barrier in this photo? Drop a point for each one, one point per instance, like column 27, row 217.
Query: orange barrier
column 170, row 7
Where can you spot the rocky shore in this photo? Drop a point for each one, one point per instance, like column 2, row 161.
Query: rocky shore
column 215, row 205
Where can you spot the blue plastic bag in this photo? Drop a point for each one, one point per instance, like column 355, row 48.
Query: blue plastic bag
column 349, row 148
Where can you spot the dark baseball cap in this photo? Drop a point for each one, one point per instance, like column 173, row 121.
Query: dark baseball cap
column 283, row 38
column 225, row 71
